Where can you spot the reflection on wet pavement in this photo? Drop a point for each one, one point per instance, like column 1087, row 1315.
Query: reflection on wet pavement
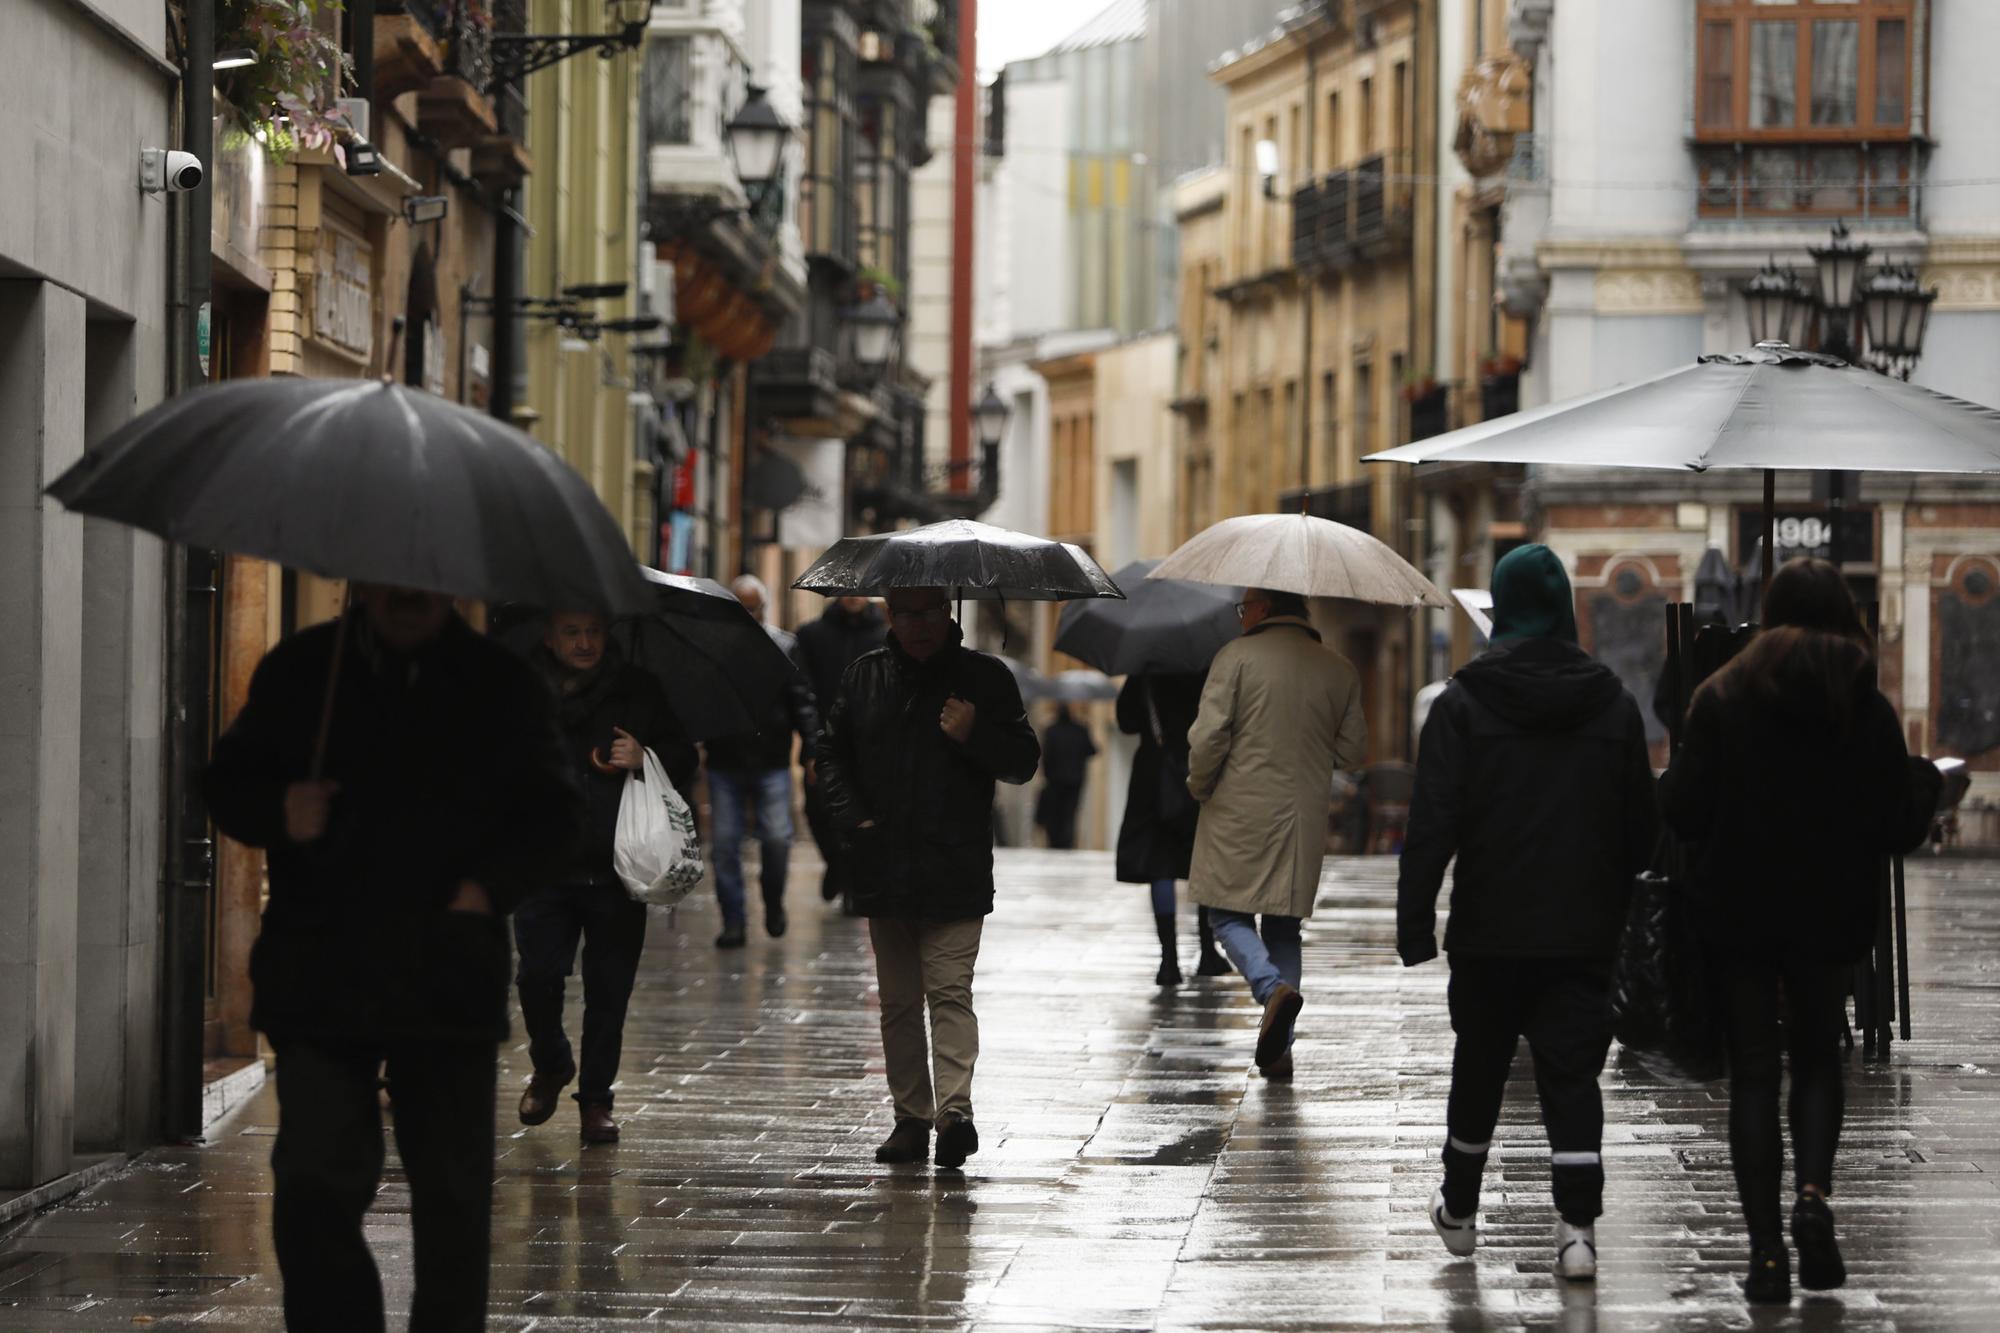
column 1135, row 1173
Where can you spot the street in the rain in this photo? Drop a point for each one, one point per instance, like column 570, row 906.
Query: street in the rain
column 1136, row 1174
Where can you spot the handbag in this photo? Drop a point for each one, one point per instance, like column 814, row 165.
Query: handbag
column 1173, row 800
column 1662, row 1001
column 655, row 850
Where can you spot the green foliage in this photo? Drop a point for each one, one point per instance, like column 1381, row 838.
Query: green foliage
column 884, row 280
column 285, row 100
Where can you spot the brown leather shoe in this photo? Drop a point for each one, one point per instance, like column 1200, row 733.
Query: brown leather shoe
column 1274, row 1035
column 541, row 1097
column 1279, row 1070
column 598, row 1126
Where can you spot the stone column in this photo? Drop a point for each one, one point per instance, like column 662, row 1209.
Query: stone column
column 41, row 594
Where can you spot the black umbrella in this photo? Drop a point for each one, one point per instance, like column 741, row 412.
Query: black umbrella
column 1166, row 625
column 721, row 670
column 970, row 560
column 357, row 479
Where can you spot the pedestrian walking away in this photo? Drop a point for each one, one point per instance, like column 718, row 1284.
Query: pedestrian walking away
column 1067, row 750
column 849, row 627
column 440, row 801
column 611, row 712
column 918, row 734
column 750, row 786
column 1156, row 836
column 1279, row 713
column 1793, row 784
column 1533, row 771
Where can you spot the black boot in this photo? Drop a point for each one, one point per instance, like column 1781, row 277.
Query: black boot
column 1170, row 963
column 1212, row 963
column 1770, row 1279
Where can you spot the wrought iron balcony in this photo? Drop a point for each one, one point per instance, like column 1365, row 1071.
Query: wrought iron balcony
column 1358, row 214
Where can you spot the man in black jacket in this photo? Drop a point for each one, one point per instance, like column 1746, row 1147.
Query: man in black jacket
column 611, row 713
column 918, row 734
column 1533, row 770
column 441, row 802
column 750, row 778
column 849, row 627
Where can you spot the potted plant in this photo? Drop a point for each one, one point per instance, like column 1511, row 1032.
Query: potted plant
column 1429, row 406
column 1499, row 385
column 283, row 99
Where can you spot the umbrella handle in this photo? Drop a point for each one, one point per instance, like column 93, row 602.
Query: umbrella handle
column 597, row 761
column 332, row 684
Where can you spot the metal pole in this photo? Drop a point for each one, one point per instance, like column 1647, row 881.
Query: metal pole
column 1770, row 534
column 506, row 303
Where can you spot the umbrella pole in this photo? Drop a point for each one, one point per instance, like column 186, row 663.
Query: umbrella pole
column 1770, row 532
column 332, row 684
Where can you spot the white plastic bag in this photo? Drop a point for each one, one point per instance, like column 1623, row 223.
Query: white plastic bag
column 655, row 851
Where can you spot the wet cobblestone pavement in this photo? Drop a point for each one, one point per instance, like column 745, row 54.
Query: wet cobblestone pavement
column 1135, row 1174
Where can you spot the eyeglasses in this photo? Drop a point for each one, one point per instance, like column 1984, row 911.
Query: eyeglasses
column 935, row 615
column 1243, row 608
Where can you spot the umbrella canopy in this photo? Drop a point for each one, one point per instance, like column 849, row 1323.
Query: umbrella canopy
column 1063, row 687
column 1165, row 625
column 1772, row 408
column 722, row 672
column 1314, row 557
column 362, row 480
column 969, row 560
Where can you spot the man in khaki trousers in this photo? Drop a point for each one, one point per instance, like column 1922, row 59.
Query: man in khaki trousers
column 909, row 752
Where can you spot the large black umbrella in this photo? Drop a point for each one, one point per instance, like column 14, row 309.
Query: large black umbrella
column 720, row 668
column 1167, row 625
column 357, row 479
column 969, row 560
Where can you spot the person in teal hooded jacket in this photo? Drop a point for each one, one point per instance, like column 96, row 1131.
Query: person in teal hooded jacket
column 1533, row 772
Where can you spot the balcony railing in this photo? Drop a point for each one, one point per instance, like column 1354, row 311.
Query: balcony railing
column 1761, row 181
column 1360, row 213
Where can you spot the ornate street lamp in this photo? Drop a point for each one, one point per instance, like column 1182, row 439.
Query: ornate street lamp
column 757, row 137
column 989, row 416
column 873, row 326
column 1776, row 301
column 1840, row 263
column 1895, row 311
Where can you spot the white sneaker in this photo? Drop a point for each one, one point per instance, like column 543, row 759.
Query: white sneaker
column 1460, row 1235
column 1576, row 1252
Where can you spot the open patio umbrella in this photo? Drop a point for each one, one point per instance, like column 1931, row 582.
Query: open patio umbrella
column 1168, row 625
column 970, row 560
column 1769, row 409
column 1314, row 557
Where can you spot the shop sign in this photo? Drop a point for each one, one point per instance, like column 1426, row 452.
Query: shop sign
column 1844, row 536
column 343, row 312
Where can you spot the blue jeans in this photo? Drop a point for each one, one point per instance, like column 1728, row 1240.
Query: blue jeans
column 1263, row 960
column 729, row 795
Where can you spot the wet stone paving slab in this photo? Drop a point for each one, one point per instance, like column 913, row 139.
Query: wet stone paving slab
column 1135, row 1173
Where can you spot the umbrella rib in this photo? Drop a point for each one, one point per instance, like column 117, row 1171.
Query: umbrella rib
column 1948, row 424
column 1702, row 461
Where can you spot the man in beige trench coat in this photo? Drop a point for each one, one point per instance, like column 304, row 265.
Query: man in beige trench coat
column 1279, row 714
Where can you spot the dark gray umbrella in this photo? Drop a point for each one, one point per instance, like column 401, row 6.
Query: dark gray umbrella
column 357, row 479
column 721, row 669
column 1769, row 409
column 1167, row 625
column 970, row 560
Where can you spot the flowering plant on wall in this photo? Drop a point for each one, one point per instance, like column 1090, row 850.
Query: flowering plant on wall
column 283, row 98
column 1499, row 364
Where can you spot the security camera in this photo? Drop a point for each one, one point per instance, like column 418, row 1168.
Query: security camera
column 169, row 169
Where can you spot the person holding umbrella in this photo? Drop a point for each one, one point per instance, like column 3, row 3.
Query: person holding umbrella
column 750, row 778
column 439, row 802
column 1533, row 772
column 919, row 733
column 1794, row 784
column 849, row 627
column 611, row 713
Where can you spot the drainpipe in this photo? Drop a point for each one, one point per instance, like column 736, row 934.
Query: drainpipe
column 187, row 869
column 1308, row 283
column 964, row 173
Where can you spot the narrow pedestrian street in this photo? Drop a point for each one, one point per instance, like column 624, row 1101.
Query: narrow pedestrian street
column 1134, row 1173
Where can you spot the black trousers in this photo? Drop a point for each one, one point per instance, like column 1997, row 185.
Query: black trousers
column 1563, row 1007
column 611, row 925
column 1811, row 997
column 1059, row 804
column 328, row 1162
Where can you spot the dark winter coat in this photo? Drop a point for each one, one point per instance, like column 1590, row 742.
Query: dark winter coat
column 1066, row 752
column 1793, row 801
column 829, row 645
column 1156, row 843
column 770, row 747
column 1533, row 771
column 615, row 695
column 883, row 757
column 449, row 768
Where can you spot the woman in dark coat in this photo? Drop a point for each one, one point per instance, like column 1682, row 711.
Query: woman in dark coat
column 1793, row 785
column 1156, row 840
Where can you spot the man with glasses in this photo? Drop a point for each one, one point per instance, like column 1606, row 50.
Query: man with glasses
column 1279, row 714
column 913, row 742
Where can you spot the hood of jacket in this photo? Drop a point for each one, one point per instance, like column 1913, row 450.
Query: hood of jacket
column 1540, row 684
column 1532, row 597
